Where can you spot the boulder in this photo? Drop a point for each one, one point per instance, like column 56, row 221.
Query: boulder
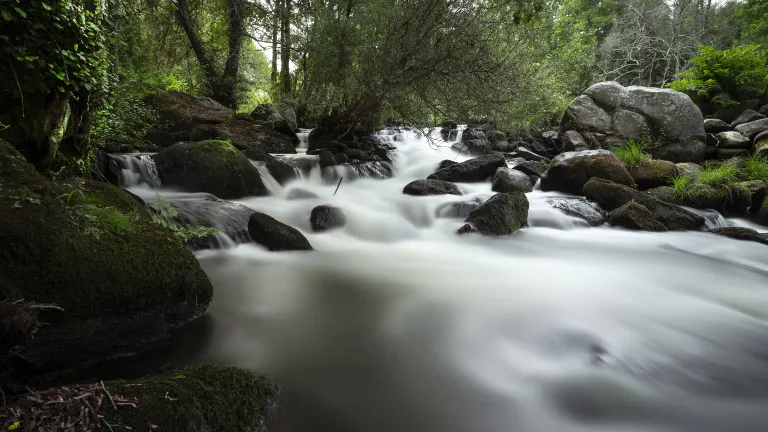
column 163, row 138
column 692, row 150
column 327, row 217
column 671, row 112
column 689, row 169
column 118, row 280
column 732, row 140
column 714, row 126
column 653, row 173
column 629, row 124
column 752, row 129
column 326, row 159
column 281, row 171
column 760, row 137
column 573, row 141
column 530, row 156
column 258, row 139
column 762, row 214
column 583, row 115
column 741, row 233
column 763, row 110
column 551, row 140
column 275, row 235
column 215, row 167
column 459, row 210
column 508, row 181
column 608, row 94
column 569, row 171
column 747, row 117
column 339, row 159
column 431, row 187
column 474, row 142
column 501, row 215
column 610, row 196
column 761, row 148
column 181, row 112
column 204, row 132
column 192, row 399
column 446, row 163
column 579, row 208
column 636, row 217
column 472, row 171
column 299, row 194
column 231, row 218
column 730, row 153
column 533, row 169
column 758, row 191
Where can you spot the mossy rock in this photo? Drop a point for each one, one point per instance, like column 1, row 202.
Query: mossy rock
column 570, row 171
column 91, row 249
column 762, row 214
column 215, row 167
column 193, row 399
column 275, row 235
column 502, row 214
column 635, row 217
column 653, row 173
column 181, row 112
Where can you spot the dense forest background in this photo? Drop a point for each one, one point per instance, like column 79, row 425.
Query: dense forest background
column 81, row 68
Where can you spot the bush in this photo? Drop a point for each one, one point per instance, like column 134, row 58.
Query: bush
column 723, row 78
column 632, row 153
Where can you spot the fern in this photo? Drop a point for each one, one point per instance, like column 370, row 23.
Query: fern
column 166, row 216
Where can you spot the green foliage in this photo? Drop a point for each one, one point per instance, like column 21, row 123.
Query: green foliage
column 123, row 116
column 51, row 46
column 723, row 78
column 166, row 216
column 683, row 186
column 718, row 175
column 102, row 219
column 631, row 153
column 756, row 168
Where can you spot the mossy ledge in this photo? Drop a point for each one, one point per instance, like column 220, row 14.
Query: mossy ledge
column 92, row 250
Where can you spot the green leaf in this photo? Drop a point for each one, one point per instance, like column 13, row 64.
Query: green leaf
column 6, row 15
column 21, row 12
column 75, row 47
column 45, row 6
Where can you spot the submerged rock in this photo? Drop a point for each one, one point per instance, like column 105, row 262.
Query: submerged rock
column 610, row 196
column 431, row 187
column 474, row 170
column 502, row 214
column 569, row 171
column 741, row 233
column 299, row 193
column 326, row 217
column 508, row 181
column 215, row 167
column 281, row 171
column 635, row 216
column 459, row 210
column 580, row 208
column 89, row 248
column 275, row 235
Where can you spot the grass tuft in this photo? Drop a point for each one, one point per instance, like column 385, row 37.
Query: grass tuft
column 631, row 153
column 756, row 168
column 683, row 186
column 718, row 175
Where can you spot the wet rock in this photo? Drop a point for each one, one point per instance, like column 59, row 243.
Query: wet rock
column 610, row 196
column 752, row 129
column 714, row 126
column 569, row 171
column 741, row 233
column 231, row 218
column 534, row 170
column 636, row 217
column 509, row 181
column 530, row 156
column 446, row 163
column 353, row 154
column 326, row 159
column 281, row 171
column 215, row 167
column 162, row 138
column 275, row 235
column 474, row 170
column 298, row 194
column 182, row 112
column 573, row 141
column 431, row 187
column 501, row 215
column 580, row 208
column 762, row 214
column 473, row 146
column 340, row 159
column 459, row 210
column 747, row 117
column 653, row 173
column 732, row 140
column 327, row 217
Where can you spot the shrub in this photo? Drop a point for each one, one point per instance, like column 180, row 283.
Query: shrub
column 756, row 168
column 632, row 153
column 724, row 77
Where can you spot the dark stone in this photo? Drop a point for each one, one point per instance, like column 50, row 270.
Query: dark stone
column 635, row 217
column 727, row 153
column 356, row 154
column 326, row 159
column 326, row 217
column 474, row 170
column 740, row 233
column 205, row 132
column 209, row 166
column 530, row 156
column 746, row 117
column 163, row 138
column 459, row 210
column 182, row 112
column 508, row 181
column 610, row 196
column 341, row 159
column 653, row 173
column 501, row 215
column 450, row 124
column 569, row 172
column 281, row 171
column 431, row 187
column 711, row 140
column 752, row 129
column 473, row 146
column 258, row 138
column 266, row 112
column 231, row 218
column 713, row 126
column 275, row 235
column 534, row 170
column 298, row 193
column 731, row 140
column 465, row 229
column 446, row 163
column 573, row 141
column 691, row 150
column 580, row 208
column 759, row 192
column 689, row 169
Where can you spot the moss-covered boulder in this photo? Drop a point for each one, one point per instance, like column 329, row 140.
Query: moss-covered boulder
column 258, row 139
column 181, row 112
column 610, row 196
column 735, row 199
column 118, row 280
column 275, row 235
column 502, row 214
column 569, row 171
column 635, row 217
column 215, row 167
column 653, row 173
column 193, row 399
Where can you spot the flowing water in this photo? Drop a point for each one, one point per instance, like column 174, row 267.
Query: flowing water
column 395, row 323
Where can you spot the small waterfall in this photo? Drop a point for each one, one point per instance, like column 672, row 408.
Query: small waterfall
column 136, row 169
column 303, row 139
column 273, row 186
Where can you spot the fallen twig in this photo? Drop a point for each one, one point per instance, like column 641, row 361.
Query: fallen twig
column 337, row 186
column 108, row 395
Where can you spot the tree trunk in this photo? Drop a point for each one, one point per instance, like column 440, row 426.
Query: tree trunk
column 275, row 25
column 236, row 20
column 285, row 51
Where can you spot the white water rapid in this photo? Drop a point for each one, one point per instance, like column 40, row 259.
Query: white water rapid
column 395, row 323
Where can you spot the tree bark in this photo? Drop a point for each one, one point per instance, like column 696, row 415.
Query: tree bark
column 236, row 19
column 275, row 26
column 285, row 51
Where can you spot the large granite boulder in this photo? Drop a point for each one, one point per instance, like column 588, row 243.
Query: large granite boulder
column 569, row 172
column 619, row 112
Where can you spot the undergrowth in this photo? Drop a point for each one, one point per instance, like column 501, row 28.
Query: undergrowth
column 165, row 215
